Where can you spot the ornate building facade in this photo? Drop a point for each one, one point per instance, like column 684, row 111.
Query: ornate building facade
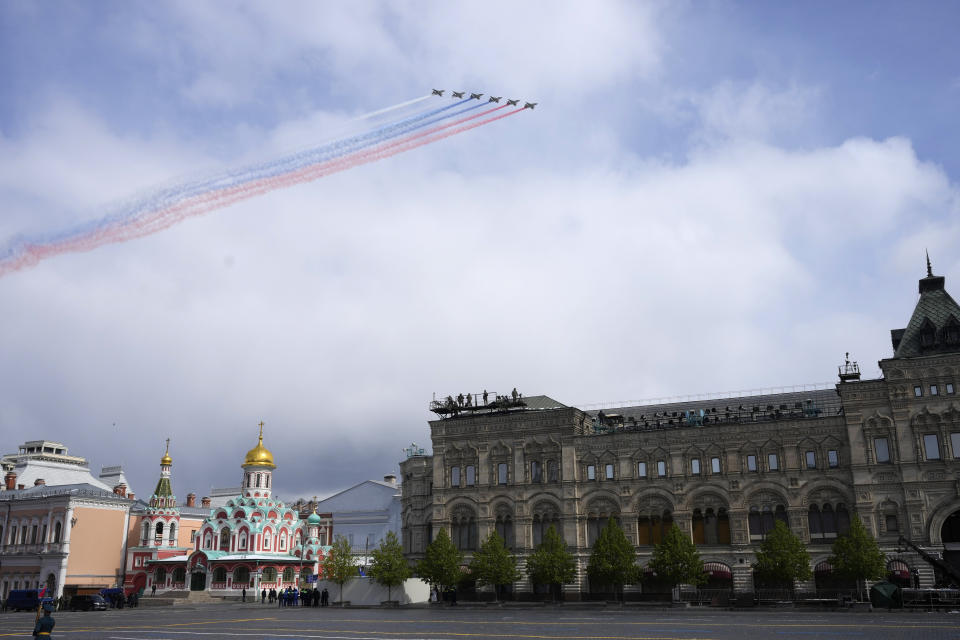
column 724, row 470
column 253, row 541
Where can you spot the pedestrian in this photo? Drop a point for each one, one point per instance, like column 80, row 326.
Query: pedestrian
column 263, row 596
column 324, row 598
column 44, row 626
column 153, row 590
column 243, row 595
column 280, row 599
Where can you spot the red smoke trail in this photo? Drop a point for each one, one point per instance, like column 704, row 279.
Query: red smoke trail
column 164, row 218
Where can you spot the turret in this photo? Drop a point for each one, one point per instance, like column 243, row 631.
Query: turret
column 258, row 469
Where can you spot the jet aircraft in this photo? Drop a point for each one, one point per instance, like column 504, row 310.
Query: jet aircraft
column 494, row 99
column 529, row 105
column 475, row 96
column 457, row 94
column 438, row 92
column 513, row 102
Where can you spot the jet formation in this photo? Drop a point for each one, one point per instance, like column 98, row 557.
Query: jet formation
column 477, row 96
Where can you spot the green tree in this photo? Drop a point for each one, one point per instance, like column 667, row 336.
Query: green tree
column 782, row 558
column 389, row 568
column 551, row 563
column 676, row 560
column 613, row 560
column 340, row 565
column 441, row 562
column 857, row 556
column 494, row 564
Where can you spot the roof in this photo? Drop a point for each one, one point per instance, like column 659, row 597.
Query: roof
column 935, row 310
column 743, row 408
column 29, row 470
column 82, row 490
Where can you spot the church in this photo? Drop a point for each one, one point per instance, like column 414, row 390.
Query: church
column 250, row 542
column 723, row 469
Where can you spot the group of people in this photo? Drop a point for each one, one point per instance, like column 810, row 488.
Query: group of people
column 293, row 597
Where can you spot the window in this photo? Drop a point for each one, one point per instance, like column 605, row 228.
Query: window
column 471, row 475
column 463, row 530
column 931, row 446
column 715, row 465
column 883, row 451
column 225, row 539
column 553, row 471
column 652, row 527
column 955, row 444
column 751, row 463
column 193, row 535
column 502, row 473
column 892, row 525
column 811, row 459
column 661, row 468
column 695, row 466
column 591, row 472
column 454, row 476
column 57, row 531
column 772, row 462
column 173, row 533
column 934, row 390
column 833, row 458
column 710, row 527
column 504, row 528
column 761, row 520
column 160, row 576
column 642, row 469
column 918, row 391
column 288, row 574
column 536, row 473
column 608, row 471
column 950, row 388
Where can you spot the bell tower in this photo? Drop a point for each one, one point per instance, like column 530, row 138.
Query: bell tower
column 258, row 469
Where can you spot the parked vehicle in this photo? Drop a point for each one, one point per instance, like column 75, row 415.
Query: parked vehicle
column 25, row 599
column 92, row 602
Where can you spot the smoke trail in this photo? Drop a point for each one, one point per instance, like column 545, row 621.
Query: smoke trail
column 172, row 205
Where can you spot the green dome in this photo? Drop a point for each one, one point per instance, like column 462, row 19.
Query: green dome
column 314, row 518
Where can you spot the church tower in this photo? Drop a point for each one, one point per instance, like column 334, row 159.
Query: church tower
column 162, row 518
column 258, row 469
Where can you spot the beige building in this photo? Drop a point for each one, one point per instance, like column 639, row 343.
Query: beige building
column 724, row 469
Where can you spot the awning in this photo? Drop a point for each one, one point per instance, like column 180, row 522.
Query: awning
column 717, row 570
column 899, row 568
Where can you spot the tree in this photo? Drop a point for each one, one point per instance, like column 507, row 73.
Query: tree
column 389, row 568
column 857, row 556
column 676, row 559
column 782, row 558
column 494, row 564
column 339, row 565
column 613, row 559
column 551, row 563
column 441, row 562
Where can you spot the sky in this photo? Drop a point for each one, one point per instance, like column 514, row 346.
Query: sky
column 710, row 196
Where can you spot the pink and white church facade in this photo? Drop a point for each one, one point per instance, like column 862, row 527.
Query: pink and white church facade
column 252, row 542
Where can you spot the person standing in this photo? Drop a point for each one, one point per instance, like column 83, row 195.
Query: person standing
column 263, row 596
column 243, row 595
column 44, row 626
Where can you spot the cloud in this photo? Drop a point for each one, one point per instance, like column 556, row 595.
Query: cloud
column 334, row 310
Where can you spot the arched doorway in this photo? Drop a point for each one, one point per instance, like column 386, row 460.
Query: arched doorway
column 51, row 584
column 950, row 535
column 198, row 580
column 140, row 583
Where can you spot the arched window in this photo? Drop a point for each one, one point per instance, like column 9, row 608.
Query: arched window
column 652, row 526
column 173, row 533
column 711, row 527
column 225, row 539
column 267, row 539
column 242, row 541
column 13, row 534
column 463, row 528
column 241, row 575
column 829, row 521
column 158, row 533
column 504, row 527
column 597, row 518
column 543, row 518
column 843, row 520
column 57, row 531
column 270, row 574
column 288, row 574
column 220, row 574
column 258, row 480
column 553, row 471
column 267, row 485
column 763, row 516
column 144, row 537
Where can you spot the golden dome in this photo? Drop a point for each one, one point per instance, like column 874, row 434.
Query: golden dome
column 259, row 456
column 166, row 459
